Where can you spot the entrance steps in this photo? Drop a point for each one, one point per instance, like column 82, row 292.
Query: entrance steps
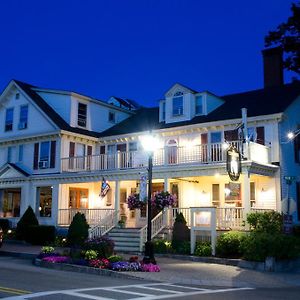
column 126, row 239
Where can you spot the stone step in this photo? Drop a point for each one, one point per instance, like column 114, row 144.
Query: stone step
column 127, row 244
column 125, row 238
column 132, row 250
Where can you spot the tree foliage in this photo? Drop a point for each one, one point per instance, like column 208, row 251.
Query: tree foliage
column 27, row 220
column 78, row 230
column 287, row 36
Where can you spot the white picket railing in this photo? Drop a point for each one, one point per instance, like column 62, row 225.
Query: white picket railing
column 157, row 224
column 201, row 154
column 93, row 216
column 104, row 226
column 230, row 218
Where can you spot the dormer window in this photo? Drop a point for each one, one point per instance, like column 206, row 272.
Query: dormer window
column 178, row 104
column 82, row 110
column 199, row 105
column 111, row 117
column 17, row 96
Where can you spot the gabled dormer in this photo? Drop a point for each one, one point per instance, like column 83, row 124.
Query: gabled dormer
column 183, row 104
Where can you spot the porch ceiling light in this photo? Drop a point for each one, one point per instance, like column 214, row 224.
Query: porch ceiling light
column 225, row 145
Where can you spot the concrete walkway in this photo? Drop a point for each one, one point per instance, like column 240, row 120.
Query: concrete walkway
column 189, row 272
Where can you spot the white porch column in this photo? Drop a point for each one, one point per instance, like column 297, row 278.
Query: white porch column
column 117, row 200
column 166, row 184
column 278, row 192
column 246, row 193
column 55, row 199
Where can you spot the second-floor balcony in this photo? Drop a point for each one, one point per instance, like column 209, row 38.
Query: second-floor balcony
column 167, row 156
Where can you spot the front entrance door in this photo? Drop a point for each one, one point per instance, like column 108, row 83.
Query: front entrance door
column 123, row 210
column 78, row 198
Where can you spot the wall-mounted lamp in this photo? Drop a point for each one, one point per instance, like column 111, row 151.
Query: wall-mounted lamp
column 263, row 190
column 292, row 134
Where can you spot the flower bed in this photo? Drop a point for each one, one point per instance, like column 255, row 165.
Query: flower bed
column 114, row 262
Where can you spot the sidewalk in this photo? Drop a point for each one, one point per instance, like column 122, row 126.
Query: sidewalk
column 189, row 272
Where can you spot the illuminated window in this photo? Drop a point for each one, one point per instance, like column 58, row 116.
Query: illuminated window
column 44, row 195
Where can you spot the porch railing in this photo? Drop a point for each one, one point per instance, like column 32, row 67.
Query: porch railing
column 201, row 154
column 104, row 226
column 93, row 216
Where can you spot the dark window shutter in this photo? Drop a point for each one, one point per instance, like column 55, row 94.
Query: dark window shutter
column 72, row 149
column 102, row 149
column 231, row 135
column 89, row 150
column 297, row 148
column 36, row 156
column 52, row 154
column 260, row 131
column 204, row 139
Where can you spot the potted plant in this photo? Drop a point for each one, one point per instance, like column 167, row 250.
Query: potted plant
column 122, row 222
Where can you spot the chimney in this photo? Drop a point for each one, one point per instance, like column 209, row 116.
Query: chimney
column 273, row 67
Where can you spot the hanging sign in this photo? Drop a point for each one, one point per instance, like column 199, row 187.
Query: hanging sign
column 143, row 187
column 233, row 163
column 104, row 188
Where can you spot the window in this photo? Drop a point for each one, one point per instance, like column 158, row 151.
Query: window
column 297, row 148
column 111, row 117
column 10, row 199
column 216, row 194
column 133, row 146
column 17, row 96
column 199, row 105
column 78, row 198
column 233, row 194
column 44, row 155
column 215, row 137
column 9, row 119
column 251, row 134
column 21, row 149
column 44, row 201
column 252, row 194
column 163, row 114
column 23, row 117
column 82, row 109
column 9, row 154
column 178, row 106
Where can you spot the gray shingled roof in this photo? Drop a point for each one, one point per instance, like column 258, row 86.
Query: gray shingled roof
column 258, row 102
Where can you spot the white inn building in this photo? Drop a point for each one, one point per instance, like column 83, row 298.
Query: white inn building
column 56, row 147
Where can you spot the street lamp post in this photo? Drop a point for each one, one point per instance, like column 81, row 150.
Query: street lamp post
column 149, row 143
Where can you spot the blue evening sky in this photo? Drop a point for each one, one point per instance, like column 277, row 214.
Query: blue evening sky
column 137, row 48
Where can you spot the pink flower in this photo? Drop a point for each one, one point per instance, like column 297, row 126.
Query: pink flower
column 150, row 268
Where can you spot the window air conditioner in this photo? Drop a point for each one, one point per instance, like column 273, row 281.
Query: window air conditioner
column 43, row 164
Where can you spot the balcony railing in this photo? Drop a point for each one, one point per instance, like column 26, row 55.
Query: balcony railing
column 198, row 154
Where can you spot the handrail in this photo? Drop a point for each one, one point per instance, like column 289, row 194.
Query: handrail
column 107, row 224
column 157, row 224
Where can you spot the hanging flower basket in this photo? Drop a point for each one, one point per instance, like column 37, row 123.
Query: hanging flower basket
column 134, row 202
column 161, row 200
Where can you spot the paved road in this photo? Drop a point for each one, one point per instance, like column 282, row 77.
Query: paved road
column 19, row 279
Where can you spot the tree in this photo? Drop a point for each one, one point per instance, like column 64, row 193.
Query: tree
column 27, row 220
column 78, row 231
column 287, row 36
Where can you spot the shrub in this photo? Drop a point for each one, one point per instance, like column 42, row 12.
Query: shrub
column 115, row 258
column 28, row 219
column 203, row 249
column 181, row 235
column 162, row 246
column 40, row 234
column 229, row 244
column 259, row 245
column 90, row 254
column 269, row 222
column 4, row 224
column 78, row 230
column 47, row 249
column 103, row 245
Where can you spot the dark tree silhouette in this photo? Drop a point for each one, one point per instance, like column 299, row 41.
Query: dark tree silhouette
column 287, row 36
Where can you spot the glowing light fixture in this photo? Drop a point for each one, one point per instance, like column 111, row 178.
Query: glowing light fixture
column 149, row 142
column 227, row 191
column 225, row 145
column 290, row 135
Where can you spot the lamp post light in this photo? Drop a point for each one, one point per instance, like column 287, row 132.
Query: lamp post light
column 149, row 144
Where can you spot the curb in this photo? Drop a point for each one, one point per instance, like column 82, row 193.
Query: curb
column 83, row 269
column 17, row 254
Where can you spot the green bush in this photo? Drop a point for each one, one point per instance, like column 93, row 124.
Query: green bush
column 259, row 245
column 269, row 222
column 203, row 249
column 90, row 254
column 40, row 234
column 162, row 246
column 78, row 230
column 229, row 244
column 181, row 235
column 4, row 224
column 103, row 245
column 115, row 258
column 27, row 220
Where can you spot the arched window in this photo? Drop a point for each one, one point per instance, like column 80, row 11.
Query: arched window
column 172, row 152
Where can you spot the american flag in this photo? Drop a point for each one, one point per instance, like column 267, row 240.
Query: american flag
column 104, row 188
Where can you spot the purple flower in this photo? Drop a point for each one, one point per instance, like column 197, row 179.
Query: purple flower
column 150, row 268
column 56, row 259
column 133, row 202
column 163, row 199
